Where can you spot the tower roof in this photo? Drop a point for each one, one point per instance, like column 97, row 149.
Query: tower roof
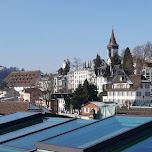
column 112, row 42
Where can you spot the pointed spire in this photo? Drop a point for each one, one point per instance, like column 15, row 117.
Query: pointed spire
column 112, row 39
column 112, row 42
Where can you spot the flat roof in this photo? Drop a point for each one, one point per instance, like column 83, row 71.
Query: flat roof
column 28, row 141
column 10, row 149
column 31, row 129
column 90, row 135
column 15, row 116
column 145, row 145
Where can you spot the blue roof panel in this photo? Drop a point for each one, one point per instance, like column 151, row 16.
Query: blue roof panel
column 97, row 132
column 145, row 145
column 50, row 122
column 28, row 141
column 15, row 116
column 10, row 149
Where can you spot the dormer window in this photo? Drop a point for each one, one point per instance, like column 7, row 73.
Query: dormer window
column 128, row 86
column 121, row 78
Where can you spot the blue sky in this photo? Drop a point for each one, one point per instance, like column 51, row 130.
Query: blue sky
column 40, row 34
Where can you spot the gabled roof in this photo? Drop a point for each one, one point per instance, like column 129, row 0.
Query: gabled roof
column 133, row 80
column 23, row 78
column 97, row 103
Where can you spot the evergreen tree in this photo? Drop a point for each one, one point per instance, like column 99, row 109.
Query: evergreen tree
column 85, row 91
column 97, row 64
column 67, row 103
column 89, row 92
column 128, row 62
column 93, row 93
column 83, row 94
column 3, row 85
column 115, row 59
column 77, row 99
column 97, row 61
column 66, row 69
column 104, row 93
column 60, row 71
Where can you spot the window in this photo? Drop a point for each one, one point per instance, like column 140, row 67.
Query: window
column 141, row 85
column 147, row 93
column 109, row 93
column 127, row 86
column 147, row 86
column 138, row 93
column 86, row 110
column 132, row 93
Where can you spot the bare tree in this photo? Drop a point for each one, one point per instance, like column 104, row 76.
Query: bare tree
column 148, row 50
column 46, row 85
column 138, row 58
column 77, row 63
column 141, row 54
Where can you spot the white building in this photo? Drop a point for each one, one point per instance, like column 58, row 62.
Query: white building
column 60, row 98
column 70, row 81
column 133, row 89
column 81, row 75
column 61, row 105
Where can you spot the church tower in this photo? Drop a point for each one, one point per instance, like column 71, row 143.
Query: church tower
column 112, row 47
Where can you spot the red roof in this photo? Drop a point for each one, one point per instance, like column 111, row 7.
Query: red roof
column 23, row 78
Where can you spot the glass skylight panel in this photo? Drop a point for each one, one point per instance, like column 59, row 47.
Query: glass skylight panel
column 15, row 116
column 141, row 146
column 27, row 130
column 28, row 141
column 96, row 132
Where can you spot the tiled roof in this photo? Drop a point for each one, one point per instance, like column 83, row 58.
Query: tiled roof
column 8, row 107
column 133, row 80
column 23, row 78
column 31, row 90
